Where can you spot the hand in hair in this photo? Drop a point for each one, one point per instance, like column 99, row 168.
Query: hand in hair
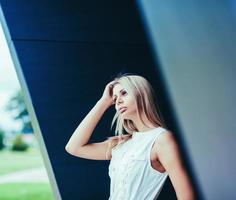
column 107, row 94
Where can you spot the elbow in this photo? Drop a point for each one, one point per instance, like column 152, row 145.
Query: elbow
column 72, row 151
column 68, row 149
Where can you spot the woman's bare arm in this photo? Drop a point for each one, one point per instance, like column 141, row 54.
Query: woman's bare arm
column 169, row 155
column 78, row 142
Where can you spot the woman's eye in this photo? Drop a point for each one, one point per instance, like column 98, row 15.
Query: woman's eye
column 124, row 92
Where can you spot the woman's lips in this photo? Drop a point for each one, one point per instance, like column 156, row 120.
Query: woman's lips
column 122, row 110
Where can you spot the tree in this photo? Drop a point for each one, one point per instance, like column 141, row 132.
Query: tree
column 2, row 134
column 17, row 106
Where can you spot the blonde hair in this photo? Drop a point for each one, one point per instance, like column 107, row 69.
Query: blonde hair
column 144, row 96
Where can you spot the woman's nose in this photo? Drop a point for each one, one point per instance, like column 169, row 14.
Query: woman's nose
column 119, row 100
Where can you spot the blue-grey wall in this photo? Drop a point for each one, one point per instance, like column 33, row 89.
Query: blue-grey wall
column 195, row 41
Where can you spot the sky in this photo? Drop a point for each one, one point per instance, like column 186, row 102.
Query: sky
column 9, row 84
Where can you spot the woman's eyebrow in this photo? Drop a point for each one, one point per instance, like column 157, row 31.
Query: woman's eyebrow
column 120, row 91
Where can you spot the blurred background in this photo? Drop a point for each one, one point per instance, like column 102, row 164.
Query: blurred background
column 22, row 171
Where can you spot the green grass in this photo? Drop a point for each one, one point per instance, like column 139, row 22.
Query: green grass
column 15, row 161
column 26, row 191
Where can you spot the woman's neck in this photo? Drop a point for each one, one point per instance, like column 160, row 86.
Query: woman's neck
column 142, row 127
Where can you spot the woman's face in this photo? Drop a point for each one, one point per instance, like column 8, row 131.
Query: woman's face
column 124, row 103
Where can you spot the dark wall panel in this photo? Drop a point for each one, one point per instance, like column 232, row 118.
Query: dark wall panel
column 106, row 21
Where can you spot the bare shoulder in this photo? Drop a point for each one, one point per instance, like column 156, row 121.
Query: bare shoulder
column 165, row 138
column 167, row 148
column 166, row 142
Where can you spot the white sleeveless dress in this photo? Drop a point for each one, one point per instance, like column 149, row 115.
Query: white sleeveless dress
column 131, row 174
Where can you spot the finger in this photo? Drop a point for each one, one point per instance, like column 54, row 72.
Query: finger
column 111, row 86
column 112, row 82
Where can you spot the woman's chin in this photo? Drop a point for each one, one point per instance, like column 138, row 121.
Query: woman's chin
column 125, row 116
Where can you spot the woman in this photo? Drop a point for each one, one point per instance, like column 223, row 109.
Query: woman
column 143, row 157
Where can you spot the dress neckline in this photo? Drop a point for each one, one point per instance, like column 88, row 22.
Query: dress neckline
column 135, row 133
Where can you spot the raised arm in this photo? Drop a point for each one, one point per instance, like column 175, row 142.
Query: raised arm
column 169, row 155
column 78, row 142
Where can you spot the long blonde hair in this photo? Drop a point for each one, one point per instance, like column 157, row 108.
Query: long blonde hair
column 144, row 96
